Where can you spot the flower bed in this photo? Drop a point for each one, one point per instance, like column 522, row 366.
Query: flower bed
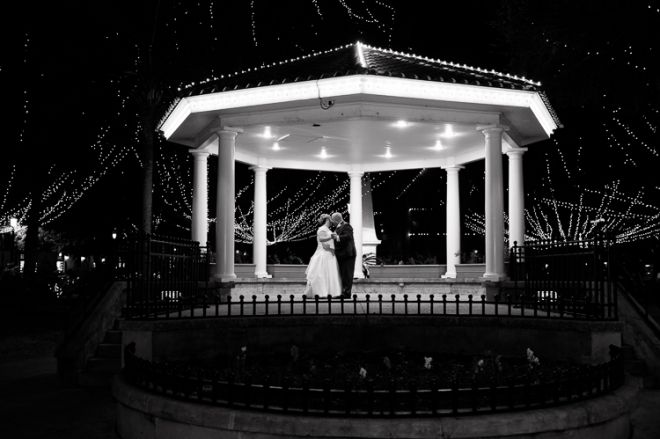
column 381, row 370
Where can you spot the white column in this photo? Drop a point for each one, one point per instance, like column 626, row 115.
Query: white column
column 356, row 219
column 516, row 197
column 453, row 221
column 259, row 250
column 224, row 225
column 494, row 204
column 200, row 202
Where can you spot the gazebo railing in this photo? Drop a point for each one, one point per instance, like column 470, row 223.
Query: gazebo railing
column 556, row 272
column 161, row 270
column 505, row 305
column 364, row 400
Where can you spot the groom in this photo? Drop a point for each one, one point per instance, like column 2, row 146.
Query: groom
column 345, row 252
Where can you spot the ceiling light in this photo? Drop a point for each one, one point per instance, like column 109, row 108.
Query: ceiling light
column 324, row 153
column 401, row 124
column 276, row 146
column 388, row 152
column 449, row 131
column 438, row 145
column 267, row 134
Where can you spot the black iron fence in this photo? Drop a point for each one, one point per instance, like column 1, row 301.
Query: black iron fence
column 168, row 278
column 162, row 272
column 637, row 276
column 364, row 400
column 505, row 305
column 557, row 274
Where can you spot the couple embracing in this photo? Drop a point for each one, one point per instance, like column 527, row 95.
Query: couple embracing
column 330, row 271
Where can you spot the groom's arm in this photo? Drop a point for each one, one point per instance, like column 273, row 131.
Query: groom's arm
column 345, row 234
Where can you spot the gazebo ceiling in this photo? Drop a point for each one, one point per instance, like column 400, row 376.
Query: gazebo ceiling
column 357, row 107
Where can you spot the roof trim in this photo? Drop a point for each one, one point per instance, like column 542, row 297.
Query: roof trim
column 356, row 85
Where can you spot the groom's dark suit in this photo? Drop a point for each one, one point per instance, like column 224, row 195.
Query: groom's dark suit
column 345, row 252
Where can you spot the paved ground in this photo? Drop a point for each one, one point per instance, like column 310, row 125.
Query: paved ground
column 34, row 405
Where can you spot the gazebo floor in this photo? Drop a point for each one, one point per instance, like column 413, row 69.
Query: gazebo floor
column 374, row 287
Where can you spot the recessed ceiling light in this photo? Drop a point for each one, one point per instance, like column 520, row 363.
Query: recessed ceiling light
column 438, row 145
column 324, row 153
column 449, row 131
column 267, row 134
column 276, row 146
column 388, row 152
column 401, row 124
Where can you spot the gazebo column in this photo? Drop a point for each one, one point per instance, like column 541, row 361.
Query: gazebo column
column 224, row 225
column 494, row 212
column 453, row 221
column 200, row 202
column 356, row 219
column 259, row 245
column 516, row 197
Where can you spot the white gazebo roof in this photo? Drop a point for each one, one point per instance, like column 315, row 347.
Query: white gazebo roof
column 360, row 108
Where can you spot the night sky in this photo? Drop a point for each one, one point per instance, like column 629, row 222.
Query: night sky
column 72, row 72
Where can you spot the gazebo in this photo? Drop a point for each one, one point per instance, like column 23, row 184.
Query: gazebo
column 360, row 109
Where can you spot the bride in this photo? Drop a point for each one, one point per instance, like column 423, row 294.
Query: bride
column 323, row 271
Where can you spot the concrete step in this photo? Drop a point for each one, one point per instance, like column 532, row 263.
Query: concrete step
column 108, row 365
column 109, row 350
column 112, row 337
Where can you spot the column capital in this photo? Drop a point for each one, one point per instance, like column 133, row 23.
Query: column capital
column 515, row 152
column 259, row 168
column 489, row 130
column 199, row 153
column 228, row 132
column 453, row 168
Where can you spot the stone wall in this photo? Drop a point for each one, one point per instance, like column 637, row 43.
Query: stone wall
column 580, row 341
column 144, row 415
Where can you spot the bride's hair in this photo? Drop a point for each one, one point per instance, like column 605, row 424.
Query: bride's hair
column 323, row 218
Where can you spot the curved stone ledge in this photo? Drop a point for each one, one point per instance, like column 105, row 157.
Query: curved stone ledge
column 144, row 415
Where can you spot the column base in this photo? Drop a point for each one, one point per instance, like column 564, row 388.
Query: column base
column 263, row 275
column 225, row 277
column 493, row 276
column 449, row 274
column 359, row 275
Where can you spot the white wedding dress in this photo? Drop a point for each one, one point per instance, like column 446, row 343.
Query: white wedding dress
column 323, row 272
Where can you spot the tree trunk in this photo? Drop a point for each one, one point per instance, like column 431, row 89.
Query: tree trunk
column 31, row 248
column 147, row 174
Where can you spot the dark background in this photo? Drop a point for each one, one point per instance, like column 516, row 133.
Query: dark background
column 71, row 72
